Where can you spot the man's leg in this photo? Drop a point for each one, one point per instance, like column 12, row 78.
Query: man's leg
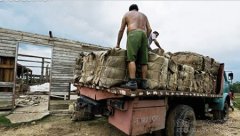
column 132, row 83
column 132, row 69
column 144, row 71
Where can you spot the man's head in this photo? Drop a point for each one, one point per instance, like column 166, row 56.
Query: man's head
column 133, row 7
column 155, row 32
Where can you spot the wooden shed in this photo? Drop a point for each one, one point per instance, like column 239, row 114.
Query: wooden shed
column 64, row 53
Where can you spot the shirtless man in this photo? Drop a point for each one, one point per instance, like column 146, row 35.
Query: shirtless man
column 138, row 31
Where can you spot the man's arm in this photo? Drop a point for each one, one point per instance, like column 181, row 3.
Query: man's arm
column 157, row 43
column 121, row 31
column 149, row 29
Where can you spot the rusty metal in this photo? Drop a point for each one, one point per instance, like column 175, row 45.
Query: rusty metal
column 144, row 93
column 141, row 117
column 96, row 94
column 219, row 88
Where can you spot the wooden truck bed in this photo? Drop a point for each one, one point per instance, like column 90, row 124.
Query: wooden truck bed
column 123, row 92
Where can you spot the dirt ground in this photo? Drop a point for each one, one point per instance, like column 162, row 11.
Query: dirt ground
column 62, row 126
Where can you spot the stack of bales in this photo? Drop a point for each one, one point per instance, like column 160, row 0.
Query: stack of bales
column 111, row 70
column 172, row 75
column 103, row 68
column 88, row 69
column 181, row 71
column 204, row 74
column 185, row 78
column 157, row 71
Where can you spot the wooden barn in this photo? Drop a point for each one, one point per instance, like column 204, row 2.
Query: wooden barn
column 64, row 53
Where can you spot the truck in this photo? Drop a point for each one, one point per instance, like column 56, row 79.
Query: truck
column 145, row 111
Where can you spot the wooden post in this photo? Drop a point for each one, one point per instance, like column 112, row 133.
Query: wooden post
column 42, row 69
column 30, row 77
column 27, row 78
column 47, row 74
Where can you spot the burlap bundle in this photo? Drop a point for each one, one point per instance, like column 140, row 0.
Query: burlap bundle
column 185, row 77
column 215, row 68
column 88, row 69
column 157, row 71
column 158, row 51
column 111, row 69
column 78, row 68
column 205, row 82
column 189, row 58
column 172, row 75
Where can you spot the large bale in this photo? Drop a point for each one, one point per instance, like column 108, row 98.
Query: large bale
column 172, row 75
column 215, row 68
column 158, row 51
column 206, row 83
column 111, row 70
column 157, row 71
column 185, row 77
column 88, row 68
column 78, row 67
column 189, row 58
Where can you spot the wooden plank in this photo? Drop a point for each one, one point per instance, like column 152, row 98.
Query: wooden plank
column 7, row 46
column 64, row 58
column 66, row 62
column 74, row 49
column 6, row 84
column 7, row 53
column 6, row 93
column 6, row 99
column 9, row 42
column 6, row 66
column 5, row 105
column 65, row 55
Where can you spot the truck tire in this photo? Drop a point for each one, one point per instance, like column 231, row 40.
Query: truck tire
column 181, row 121
column 221, row 115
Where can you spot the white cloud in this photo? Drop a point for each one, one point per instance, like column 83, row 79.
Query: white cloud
column 210, row 28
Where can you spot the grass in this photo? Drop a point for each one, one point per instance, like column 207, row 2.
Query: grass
column 237, row 100
column 4, row 121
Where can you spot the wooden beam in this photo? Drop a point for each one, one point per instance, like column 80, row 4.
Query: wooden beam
column 6, row 84
column 33, row 56
column 6, row 66
column 33, row 61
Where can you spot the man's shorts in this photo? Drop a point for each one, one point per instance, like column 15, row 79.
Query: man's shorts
column 137, row 47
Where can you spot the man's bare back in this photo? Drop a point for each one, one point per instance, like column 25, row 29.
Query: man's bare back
column 136, row 20
column 133, row 20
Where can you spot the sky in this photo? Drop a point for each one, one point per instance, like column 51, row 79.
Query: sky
column 210, row 28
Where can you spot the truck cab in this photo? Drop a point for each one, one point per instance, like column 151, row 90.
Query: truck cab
column 221, row 105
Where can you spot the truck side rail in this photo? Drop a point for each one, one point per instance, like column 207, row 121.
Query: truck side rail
column 142, row 93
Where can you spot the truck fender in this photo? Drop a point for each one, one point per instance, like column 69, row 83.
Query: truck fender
column 219, row 102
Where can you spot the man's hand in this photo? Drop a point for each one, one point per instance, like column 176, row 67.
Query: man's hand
column 162, row 49
column 117, row 46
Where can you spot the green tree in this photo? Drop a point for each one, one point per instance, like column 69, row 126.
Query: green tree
column 236, row 87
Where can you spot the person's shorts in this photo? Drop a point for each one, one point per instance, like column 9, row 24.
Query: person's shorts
column 137, row 47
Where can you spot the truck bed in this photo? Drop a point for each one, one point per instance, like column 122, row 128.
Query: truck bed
column 121, row 92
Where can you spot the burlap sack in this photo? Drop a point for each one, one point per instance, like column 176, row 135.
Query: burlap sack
column 189, row 58
column 78, row 68
column 185, row 77
column 215, row 68
column 111, row 69
column 88, row 69
column 172, row 75
column 158, row 51
column 206, row 83
column 157, row 71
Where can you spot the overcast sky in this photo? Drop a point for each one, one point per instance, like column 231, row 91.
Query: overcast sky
column 211, row 28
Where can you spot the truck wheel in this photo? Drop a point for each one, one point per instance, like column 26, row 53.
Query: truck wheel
column 181, row 121
column 221, row 116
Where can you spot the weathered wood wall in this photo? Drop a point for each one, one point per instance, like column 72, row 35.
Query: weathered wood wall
column 64, row 53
